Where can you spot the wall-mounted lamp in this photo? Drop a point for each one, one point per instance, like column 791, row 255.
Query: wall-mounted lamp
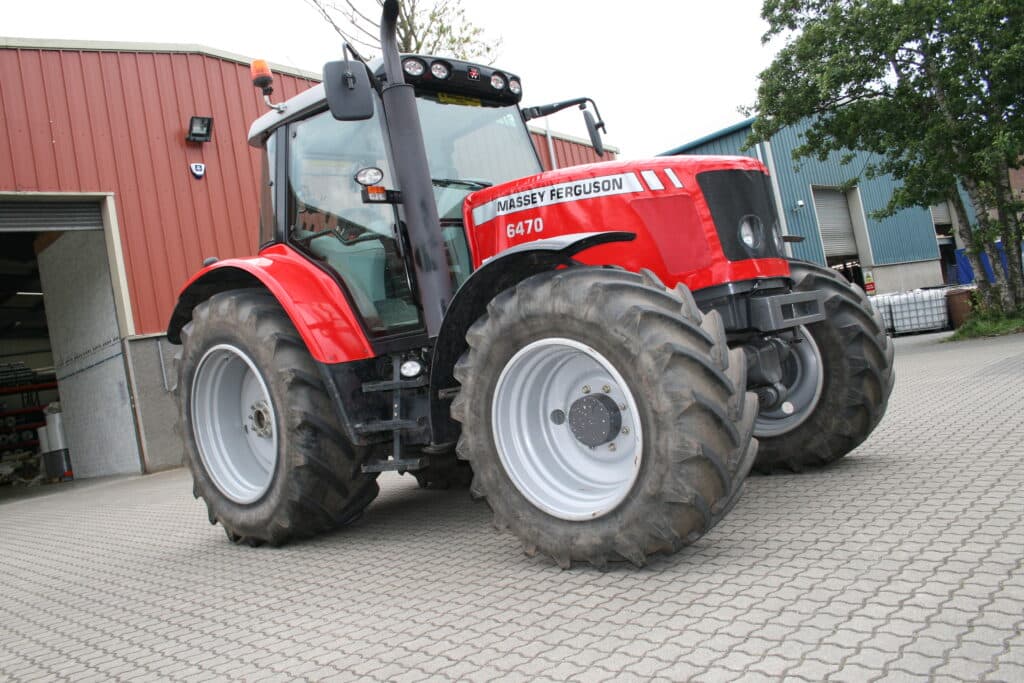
column 200, row 129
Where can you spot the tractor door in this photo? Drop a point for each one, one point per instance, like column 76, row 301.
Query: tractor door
column 328, row 221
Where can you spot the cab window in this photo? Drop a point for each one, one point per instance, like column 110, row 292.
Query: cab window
column 268, row 216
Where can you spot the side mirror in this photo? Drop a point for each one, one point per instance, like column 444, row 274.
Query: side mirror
column 595, row 134
column 349, row 93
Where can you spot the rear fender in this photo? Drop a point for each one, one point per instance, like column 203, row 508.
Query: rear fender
column 313, row 300
column 497, row 274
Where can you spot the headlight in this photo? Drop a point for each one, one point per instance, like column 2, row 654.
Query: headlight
column 439, row 70
column 411, row 368
column 515, row 87
column 369, row 176
column 497, row 82
column 414, row 67
column 750, row 231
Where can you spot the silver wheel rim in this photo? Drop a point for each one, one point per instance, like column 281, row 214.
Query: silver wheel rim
column 234, row 423
column 545, row 459
column 804, row 378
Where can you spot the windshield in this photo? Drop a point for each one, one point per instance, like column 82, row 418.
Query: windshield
column 468, row 141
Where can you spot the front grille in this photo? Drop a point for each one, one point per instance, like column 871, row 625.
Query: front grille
column 732, row 195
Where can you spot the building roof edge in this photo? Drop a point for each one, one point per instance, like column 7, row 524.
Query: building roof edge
column 8, row 42
column 746, row 123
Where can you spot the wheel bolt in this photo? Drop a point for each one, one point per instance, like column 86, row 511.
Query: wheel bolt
column 625, row 430
column 586, row 388
column 606, row 389
column 611, row 446
column 622, row 406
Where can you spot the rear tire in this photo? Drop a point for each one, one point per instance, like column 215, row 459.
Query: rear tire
column 683, row 423
column 261, row 438
column 854, row 377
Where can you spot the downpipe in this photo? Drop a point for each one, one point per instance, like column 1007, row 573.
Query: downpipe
column 405, row 137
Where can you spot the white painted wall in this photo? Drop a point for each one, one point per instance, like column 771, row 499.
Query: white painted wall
column 907, row 276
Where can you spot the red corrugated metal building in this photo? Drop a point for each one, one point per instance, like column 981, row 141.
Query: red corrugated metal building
column 102, row 220
column 86, row 119
column 557, row 150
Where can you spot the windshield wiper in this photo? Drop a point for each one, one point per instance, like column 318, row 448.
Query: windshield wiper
column 454, row 182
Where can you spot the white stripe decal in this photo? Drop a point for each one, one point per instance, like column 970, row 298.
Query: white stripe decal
column 587, row 188
column 652, row 180
column 673, row 177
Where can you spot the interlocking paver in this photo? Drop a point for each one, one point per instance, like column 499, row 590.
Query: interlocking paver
column 900, row 562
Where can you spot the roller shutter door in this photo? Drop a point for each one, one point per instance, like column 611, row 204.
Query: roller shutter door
column 941, row 215
column 39, row 216
column 834, row 222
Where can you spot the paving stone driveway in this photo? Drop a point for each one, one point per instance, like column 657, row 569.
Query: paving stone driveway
column 903, row 561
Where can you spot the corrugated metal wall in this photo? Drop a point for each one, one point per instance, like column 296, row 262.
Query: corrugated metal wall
column 115, row 121
column 567, row 152
column 907, row 236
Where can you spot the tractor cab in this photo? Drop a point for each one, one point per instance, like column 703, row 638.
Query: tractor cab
column 332, row 192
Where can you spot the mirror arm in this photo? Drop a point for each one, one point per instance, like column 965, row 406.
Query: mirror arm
column 531, row 113
column 547, row 109
column 351, row 50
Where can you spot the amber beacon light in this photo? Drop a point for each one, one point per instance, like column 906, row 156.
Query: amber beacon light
column 263, row 79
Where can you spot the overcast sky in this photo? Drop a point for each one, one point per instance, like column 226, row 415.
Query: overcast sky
column 662, row 73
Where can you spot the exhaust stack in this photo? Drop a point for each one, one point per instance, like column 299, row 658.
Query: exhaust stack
column 410, row 162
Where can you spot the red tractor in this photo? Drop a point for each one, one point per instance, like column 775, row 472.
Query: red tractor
column 600, row 349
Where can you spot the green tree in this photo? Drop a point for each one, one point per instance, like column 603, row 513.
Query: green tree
column 439, row 27
column 933, row 88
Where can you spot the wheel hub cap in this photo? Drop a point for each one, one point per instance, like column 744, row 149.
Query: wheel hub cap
column 260, row 421
column 595, row 420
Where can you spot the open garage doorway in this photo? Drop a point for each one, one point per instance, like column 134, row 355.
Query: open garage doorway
column 61, row 333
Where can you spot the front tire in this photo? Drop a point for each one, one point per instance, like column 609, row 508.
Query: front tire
column 604, row 417
column 840, row 377
column 261, row 438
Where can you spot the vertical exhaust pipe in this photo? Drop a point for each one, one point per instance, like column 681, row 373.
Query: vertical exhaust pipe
column 410, row 161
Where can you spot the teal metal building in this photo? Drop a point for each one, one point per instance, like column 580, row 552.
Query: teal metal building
column 816, row 200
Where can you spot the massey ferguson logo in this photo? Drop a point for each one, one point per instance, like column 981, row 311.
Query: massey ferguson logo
column 587, row 188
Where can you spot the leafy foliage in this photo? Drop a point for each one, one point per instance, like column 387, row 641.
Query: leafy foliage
column 434, row 28
column 934, row 89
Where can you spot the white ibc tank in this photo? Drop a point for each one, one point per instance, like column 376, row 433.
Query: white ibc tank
column 919, row 311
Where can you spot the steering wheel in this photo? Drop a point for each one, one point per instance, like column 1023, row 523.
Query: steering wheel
column 350, row 232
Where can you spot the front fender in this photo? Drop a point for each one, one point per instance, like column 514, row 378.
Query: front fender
column 310, row 297
column 497, row 274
